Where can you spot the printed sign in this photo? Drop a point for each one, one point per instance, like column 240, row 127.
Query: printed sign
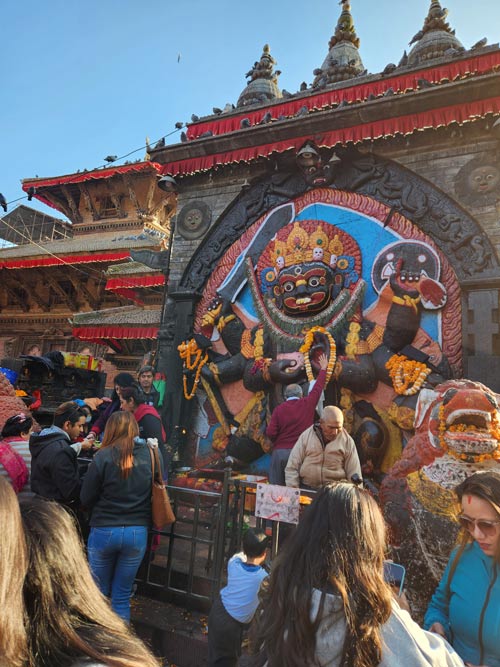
column 277, row 503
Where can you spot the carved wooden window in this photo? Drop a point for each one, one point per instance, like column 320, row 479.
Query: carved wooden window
column 107, row 208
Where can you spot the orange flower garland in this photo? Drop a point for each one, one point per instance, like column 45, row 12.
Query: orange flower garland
column 462, row 428
column 306, row 347
column 190, row 354
column 407, row 375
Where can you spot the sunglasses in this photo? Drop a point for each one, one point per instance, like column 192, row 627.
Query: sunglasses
column 488, row 528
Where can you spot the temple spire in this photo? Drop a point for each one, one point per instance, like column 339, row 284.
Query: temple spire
column 345, row 29
column 343, row 60
column 436, row 38
column 263, row 84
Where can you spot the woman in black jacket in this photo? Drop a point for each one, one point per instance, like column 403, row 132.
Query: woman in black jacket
column 117, row 491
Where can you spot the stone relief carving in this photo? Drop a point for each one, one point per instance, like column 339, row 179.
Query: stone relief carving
column 478, row 182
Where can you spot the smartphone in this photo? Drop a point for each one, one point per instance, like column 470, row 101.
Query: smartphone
column 394, row 574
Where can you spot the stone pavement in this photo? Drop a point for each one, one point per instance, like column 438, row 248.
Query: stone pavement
column 177, row 635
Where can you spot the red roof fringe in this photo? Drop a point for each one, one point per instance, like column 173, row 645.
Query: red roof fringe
column 52, row 260
column 462, row 113
column 97, row 174
column 356, row 93
column 135, row 281
column 101, row 334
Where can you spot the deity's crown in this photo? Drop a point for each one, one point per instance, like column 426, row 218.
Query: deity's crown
column 298, row 245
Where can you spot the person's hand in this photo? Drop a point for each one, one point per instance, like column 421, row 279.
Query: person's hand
column 401, row 599
column 323, row 361
column 90, row 436
column 87, row 443
column 438, row 629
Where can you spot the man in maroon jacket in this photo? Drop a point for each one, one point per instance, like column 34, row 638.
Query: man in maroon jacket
column 290, row 419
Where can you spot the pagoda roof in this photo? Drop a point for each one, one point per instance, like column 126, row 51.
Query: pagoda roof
column 126, row 323
column 78, row 250
column 70, row 181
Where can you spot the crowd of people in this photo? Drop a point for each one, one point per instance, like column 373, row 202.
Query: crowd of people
column 111, row 502
column 325, row 601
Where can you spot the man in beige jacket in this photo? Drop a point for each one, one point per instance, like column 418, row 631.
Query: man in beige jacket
column 323, row 454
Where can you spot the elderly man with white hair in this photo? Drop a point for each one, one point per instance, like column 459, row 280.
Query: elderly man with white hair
column 324, row 453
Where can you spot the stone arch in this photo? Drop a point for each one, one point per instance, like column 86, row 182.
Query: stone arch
column 454, row 231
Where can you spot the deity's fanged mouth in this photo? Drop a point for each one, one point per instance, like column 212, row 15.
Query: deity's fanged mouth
column 469, row 435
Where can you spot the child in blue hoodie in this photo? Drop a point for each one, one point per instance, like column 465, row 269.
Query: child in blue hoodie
column 234, row 608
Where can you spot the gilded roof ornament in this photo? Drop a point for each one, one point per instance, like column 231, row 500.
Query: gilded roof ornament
column 345, row 29
column 436, row 38
column 343, row 61
column 263, row 84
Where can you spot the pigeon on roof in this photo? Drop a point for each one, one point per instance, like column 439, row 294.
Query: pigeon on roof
column 479, row 44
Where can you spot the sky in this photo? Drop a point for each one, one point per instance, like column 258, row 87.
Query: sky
column 83, row 79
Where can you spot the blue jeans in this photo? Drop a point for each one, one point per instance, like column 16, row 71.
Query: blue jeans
column 115, row 554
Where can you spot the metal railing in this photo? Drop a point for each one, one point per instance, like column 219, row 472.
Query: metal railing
column 186, row 563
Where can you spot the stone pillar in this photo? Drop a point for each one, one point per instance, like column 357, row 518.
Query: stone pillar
column 176, row 326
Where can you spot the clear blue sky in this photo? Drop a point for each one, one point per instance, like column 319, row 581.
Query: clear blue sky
column 82, row 79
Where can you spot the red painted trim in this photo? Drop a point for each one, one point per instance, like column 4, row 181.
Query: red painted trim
column 354, row 93
column 52, row 260
column 367, row 131
column 95, row 174
column 135, row 281
column 97, row 334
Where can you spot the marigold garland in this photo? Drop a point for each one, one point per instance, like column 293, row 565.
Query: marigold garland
column 494, row 432
column 407, row 375
column 190, row 354
column 306, row 347
column 258, row 343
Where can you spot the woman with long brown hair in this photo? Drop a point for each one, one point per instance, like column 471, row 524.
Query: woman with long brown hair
column 117, row 491
column 13, row 566
column 69, row 622
column 327, row 603
column 466, row 605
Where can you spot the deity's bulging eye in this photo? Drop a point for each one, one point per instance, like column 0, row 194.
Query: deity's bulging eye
column 314, row 281
column 288, row 286
column 270, row 276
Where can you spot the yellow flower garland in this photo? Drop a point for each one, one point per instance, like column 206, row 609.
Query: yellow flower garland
column 407, row 375
column 306, row 347
column 186, row 352
column 461, row 428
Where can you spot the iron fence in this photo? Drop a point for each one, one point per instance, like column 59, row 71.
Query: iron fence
column 186, row 563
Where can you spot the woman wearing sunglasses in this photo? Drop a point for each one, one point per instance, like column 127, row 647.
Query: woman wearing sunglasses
column 466, row 605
